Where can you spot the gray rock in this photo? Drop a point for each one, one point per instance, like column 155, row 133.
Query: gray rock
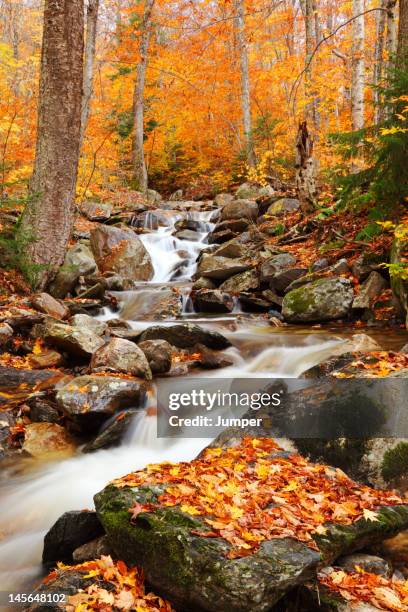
column 212, row 301
column 220, row 268
column 221, row 199
column 281, row 280
column 185, row 335
column 190, row 224
column 204, row 283
column 43, row 302
column 240, row 209
column 232, row 249
column 235, row 225
column 120, row 250
column 153, row 197
column 92, row 550
column 80, row 342
column 176, row 196
column 323, row 300
column 211, row 360
column 189, row 235
column 120, row 355
column 90, row 400
column 86, row 322
column 253, row 191
column 275, row 265
column 79, row 261
column 221, row 236
column 42, row 411
column 369, row 291
column 272, row 297
column 159, row 355
column 320, row 264
column 113, row 433
column 282, row 206
column 96, row 211
column 341, row 267
column 6, row 333
column 368, row 563
column 71, row 530
column 245, row 281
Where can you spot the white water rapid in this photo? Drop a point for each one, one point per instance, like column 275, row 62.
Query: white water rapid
column 33, row 499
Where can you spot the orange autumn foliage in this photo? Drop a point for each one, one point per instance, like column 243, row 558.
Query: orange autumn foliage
column 250, row 493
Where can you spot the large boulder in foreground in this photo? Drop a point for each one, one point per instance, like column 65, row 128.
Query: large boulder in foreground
column 71, row 530
column 326, row 299
column 186, row 335
column 90, row 400
column 120, row 250
column 238, row 528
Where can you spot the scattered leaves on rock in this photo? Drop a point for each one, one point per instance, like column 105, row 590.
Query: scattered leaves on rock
column 249, row 493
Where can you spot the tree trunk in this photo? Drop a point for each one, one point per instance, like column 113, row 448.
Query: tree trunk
column 358, row 67
column 305, row 169
column 402, row 49
column 391, row 40
column 378, row 59
column 245, row 87
column 139, row 161
column 47, row 221
column 89, row 60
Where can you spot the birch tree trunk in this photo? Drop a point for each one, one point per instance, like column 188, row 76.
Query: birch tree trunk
column 48, row 218
column 139, row 161
column 305, row 169
column 245, row 85
column 312, row 33
column 89, row 61
column 391, row 40
column 358, row 67
column 378, row 58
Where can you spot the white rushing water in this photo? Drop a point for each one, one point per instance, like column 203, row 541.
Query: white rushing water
column 32, row 502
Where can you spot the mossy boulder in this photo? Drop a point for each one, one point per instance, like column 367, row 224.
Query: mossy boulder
column 326, row 299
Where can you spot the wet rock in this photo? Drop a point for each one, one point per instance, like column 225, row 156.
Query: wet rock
column 185, row 335
column 282, row 206
column 221, row 199
column 113, row 433
column 275, row 265
column 245, row 281
column 47, row 440
column 46, row 359
column 182, row 565
column 272, row 297
column 79, row 261
column 42, row 411
column 221, row 236
column 320, row 264
column 158, row 354
column 90, row 400
column 341, row 267
column 253, row 191
column 96, row 211
column 93, row 550
column 281, row 280
column 240, row 209
column 220, row 268
column 211, row 360
column 120, row 355
column 369, row 291
column 6, row 333
column 368, row 563
column 48, row 305
column 189, row 235
column 84, row 321
column 212, row 301
column 190, row 224
column 71, row 530
column 204, row 283
column 74, row 340
column 118, row 324
column 399, row 284
column 323, row 300
column 253, row 303
column 118, row 283
column 120, row 250
column 361, row 343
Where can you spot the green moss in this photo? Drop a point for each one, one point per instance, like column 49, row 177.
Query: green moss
column 395, row 462
column 300, row 300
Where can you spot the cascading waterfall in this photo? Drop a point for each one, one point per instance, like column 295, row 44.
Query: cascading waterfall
column 32, row 502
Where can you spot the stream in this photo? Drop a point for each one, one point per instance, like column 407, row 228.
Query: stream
column 34, row 498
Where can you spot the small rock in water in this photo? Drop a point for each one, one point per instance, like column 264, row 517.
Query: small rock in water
column 211, row 360
column 47, row 440
column 212, row 301
column 120, row 355
column 158, row 354
column 113, row 433
column 189, row 235
column 48, row 305
column 185, row 335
